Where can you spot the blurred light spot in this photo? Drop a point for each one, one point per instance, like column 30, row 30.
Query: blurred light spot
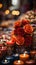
column 15, row 12
column 1, row 5
column 7, row 12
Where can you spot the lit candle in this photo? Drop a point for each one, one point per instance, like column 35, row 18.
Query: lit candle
column 16, row 56
column 25, row 52
column 10, row 58
column 33, row 52
column 30, row 62
column 5, row 62
column 18, row 62
column 24, row 57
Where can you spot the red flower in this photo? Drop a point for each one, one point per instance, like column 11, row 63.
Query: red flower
column 28, row 28
column 17, row 24
column 12, row 41
column 20, row 40
column 25, row 22
column 28, row 40
column 19, row 31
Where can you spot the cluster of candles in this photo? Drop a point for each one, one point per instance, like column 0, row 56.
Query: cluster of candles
column 19, row 59
column 24, row 59
column 16, row 59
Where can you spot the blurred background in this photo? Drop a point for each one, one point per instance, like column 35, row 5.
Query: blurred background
column 10, row 10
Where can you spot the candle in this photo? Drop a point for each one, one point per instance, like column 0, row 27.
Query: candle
column 5, row 62
column 16, row 56
column 18, row 62
column 10, row 58
column 30, row 62
column 33, row 52
column 25, row 52
column 24, row 56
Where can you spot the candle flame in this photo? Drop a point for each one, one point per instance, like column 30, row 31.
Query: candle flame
column 16, row 55
column 18, row 61
column 5, row 60
column 24, row 54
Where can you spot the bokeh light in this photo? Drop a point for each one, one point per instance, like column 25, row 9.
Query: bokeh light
column 1, row 5
column 7, row 12
column 15, row 12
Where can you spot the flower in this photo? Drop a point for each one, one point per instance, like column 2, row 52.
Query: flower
column 13, row 38
column 12, row 41
column 28, row 40
column 24, row 22
column 17, row 24
column 28, row 28
column 20, row 40
column 19, row 31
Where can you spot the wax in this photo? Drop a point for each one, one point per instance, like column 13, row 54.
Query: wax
column 24, row 57
column 18, row 62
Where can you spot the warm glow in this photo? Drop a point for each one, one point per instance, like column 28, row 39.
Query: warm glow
column 3, row 36
column 24, row 54
column 5, row 61
column 18, row 61
column 1, row 5
column 16, row 55
column 7, row 12
column 29, row 62
column 15, row 12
